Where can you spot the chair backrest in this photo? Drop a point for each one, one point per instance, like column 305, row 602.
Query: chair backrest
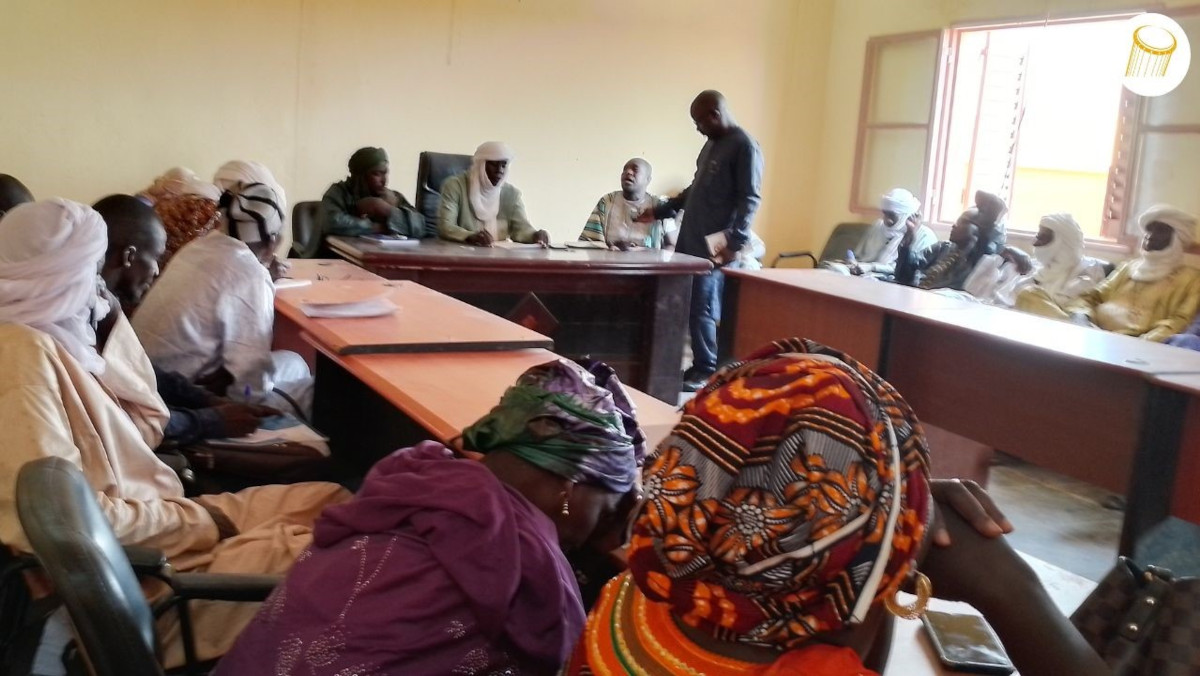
column 844, row 237
column 432, row 170
column 79, row 552
column 307, row 237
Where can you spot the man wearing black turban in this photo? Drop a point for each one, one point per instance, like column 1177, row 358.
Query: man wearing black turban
column 363, row 204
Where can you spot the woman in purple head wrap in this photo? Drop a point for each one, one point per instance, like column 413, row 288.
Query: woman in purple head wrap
column 443, row 565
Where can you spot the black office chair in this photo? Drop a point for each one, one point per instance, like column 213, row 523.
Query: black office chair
column 845, row 236
column 432, row 170
column 307, row 239
column 93, row 576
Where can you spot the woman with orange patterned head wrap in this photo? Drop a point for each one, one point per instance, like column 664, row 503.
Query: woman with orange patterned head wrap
column 781, row 516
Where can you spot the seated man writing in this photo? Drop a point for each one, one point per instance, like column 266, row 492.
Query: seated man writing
column 875, row 255
column 613, row 221
column 362, row 204
column 136, row 242
column 211, row 315
column 480, row 207
column 1155, row 295
column 65, row 392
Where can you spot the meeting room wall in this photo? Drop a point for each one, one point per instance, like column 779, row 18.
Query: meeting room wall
column 100, row 97
column 853, row 23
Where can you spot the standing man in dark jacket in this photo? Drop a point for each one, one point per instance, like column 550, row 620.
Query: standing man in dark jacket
column 722, row 198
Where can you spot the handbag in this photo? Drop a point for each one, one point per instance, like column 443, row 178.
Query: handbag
column 1143, row 621
column 283, row 462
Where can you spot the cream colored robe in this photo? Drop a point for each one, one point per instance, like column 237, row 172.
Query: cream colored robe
column 50, row 406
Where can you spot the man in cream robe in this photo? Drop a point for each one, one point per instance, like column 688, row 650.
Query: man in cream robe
column 1155, row 295
column 1063, row 273
column 62, row 397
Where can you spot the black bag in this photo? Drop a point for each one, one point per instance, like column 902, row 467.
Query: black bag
column 280, row 463
column 1143, row 622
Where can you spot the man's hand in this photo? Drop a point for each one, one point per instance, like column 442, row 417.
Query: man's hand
column 225, row 527
column 374, row 208
column 481, row 238
column 279, row 268
column 238, row 420
column 968, row 500
column 856, row 270
column 391, row 198
column 542, row 237
column 646, row 216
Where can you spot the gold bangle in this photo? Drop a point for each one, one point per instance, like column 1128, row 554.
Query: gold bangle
column 914, row 611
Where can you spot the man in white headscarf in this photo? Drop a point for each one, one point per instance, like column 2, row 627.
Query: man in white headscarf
column 1062, row 275
column 211, row 314
column 1155, row 295
column 480, row 207
column 875, row 255
column 66, row 393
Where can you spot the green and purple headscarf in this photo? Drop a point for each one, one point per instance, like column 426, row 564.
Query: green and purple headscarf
column 574, row 420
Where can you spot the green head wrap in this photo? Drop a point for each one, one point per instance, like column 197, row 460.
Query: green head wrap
column 365, row 159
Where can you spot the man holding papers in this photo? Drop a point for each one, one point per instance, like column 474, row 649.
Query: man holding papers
column 719, row 208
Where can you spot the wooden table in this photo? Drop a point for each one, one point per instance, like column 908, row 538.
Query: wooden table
column 425, row 321
column 628, row 309
column 327, row 269
column 358, row 397
column 1185, row 503
column 1080, row 401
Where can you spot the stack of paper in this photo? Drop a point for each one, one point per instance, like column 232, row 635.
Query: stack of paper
column 374, row 307
column 279, row 429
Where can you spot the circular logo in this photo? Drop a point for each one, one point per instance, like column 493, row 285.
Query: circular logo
column 1159, row 54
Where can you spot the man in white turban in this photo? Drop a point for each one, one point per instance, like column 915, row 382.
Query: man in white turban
column 1155, row 295
column 1063, row 273
column 211, row 314
column 480, row 207
column 875, row 255
column 64, row 392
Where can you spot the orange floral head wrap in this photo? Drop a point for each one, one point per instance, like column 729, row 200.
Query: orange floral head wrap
column 793, row 494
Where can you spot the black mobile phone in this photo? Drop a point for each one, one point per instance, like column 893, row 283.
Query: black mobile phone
column 966, row 643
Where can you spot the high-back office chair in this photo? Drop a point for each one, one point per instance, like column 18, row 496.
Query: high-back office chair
column 307, row 239
column 845, row 236
column 96, row 582
column 432, row 170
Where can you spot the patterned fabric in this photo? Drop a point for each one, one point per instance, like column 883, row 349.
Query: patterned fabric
column 575, row 421
column 186, row 217
column 612, row 221
column 629, row 634
column 793, row 493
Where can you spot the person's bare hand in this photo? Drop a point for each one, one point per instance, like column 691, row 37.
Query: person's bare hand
column 542, row 237
column 646, row 216
column 225, row 527
column 856, row 270
column 279, row 268
column 375, row 208
column 238, row 420
column 622, row 245
column 481, row 238
column 970, row 501
column 391, row 198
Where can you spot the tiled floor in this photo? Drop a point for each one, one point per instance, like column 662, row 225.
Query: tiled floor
column 1057, row 519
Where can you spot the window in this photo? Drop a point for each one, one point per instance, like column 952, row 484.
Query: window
column 1034, row 112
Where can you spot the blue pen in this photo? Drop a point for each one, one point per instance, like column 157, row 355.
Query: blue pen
column 850, row 257
column 247, row 391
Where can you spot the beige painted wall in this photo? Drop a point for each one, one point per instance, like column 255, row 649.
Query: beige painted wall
column 853, row 23
column 102, row 96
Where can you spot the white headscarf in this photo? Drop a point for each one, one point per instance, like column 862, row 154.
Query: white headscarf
column 483, row 196
column 1059, row 260
column 180, row 181
column 1151, row 266
column 238, row 172
column 251, row 212
column 50, row 253
column 900, row 202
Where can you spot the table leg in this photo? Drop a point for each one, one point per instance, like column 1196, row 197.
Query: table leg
column 666, row 322
column 1152, row 479
column 727, row 329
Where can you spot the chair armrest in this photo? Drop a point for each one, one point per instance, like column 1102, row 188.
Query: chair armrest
column 223, row 586
column 145, row 560
column 795, row 254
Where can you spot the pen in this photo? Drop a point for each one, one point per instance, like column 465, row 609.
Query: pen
column 247, row 391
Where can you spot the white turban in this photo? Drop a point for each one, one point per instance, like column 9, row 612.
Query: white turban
column 251, row 212
column 180, row 181
column 483, row 196
column 1058, row 260
column 50, row 254
column 1152, row 266
column 231, row 174
column 900, row 202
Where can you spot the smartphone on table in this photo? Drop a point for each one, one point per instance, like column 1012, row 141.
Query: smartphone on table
column 966, row 644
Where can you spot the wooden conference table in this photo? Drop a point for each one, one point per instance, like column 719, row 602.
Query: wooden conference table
column 628, row 309
column 1075, row 400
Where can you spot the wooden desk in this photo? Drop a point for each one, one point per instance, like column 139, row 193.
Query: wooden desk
column 1185, row 503
column 437, row 394
column 327, row 268
column 628, row 309
column 846, row 313
column 426, row 321
column 1076, row 400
